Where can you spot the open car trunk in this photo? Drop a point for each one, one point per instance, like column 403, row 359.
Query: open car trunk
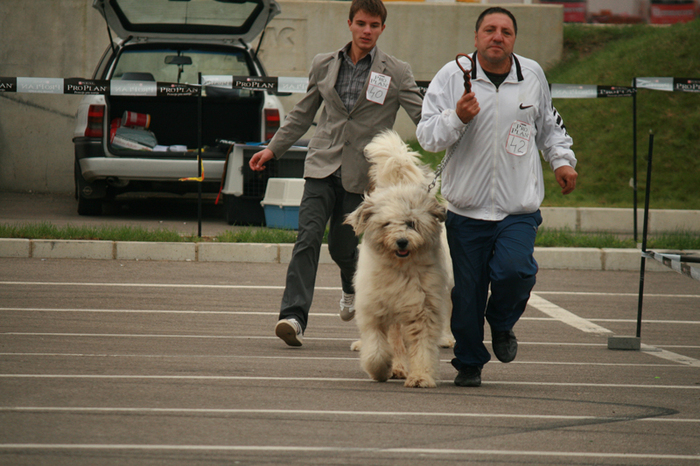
column 231, row 118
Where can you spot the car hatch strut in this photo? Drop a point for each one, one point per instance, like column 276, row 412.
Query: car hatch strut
column 109, row 32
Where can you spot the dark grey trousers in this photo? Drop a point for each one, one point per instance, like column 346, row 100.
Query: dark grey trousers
column 323, row 199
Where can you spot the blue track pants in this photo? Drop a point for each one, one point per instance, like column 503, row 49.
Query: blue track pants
column 499, row 254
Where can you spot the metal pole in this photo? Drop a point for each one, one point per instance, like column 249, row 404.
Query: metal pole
column 199, row 156
column 634, row 157
column 644, row 236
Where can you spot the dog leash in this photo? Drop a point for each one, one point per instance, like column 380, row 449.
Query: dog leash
column 451, row 149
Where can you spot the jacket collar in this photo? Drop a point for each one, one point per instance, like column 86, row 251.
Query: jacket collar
column 515, row 65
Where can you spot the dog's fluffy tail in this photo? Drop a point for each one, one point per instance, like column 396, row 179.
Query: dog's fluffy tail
column 393, row 162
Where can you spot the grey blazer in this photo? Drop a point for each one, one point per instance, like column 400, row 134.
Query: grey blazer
column 341, row 137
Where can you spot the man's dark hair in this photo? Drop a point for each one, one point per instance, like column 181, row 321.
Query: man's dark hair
column 496, row 9
column 371, row 7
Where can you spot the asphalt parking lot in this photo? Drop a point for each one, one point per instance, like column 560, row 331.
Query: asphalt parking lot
column 157, row 362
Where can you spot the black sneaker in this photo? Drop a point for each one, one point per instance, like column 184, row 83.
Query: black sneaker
column 505, row 345
column 469, row 376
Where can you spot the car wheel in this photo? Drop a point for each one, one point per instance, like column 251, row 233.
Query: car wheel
column 85, row 206
column 89, row 206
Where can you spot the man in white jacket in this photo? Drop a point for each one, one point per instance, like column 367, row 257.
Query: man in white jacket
column 493, row 183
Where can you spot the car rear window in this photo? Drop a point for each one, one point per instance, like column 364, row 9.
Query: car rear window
column 172, row 65
column 169, row 15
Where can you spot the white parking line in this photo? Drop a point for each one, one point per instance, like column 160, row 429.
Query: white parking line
column 148, row 311
column 587, row 326
column 275, row 313
column 161, row 285
column 317, row 412
column 602, row 293
column 354, row 359
column 265, row 337
column 324, row 380
column 153, row 335
column 236, row 337
column 318, row 288
column 310, row 449
column 650, row 321
column 565, row 316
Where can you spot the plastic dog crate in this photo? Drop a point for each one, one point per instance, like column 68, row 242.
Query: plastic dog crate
column 244, row 189
column 281, row 202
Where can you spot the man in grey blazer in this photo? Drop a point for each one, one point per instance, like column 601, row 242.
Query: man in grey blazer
column 361, row 89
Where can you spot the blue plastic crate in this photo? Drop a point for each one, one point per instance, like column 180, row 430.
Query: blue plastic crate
column 286, row 217
column 281, row 202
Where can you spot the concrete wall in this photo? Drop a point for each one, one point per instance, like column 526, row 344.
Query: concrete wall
column 43, row 38
column 65, row 38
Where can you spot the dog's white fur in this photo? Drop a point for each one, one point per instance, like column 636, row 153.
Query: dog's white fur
column 402, row 281
column 393, row 163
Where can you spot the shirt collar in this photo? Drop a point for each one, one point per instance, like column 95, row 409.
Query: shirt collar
column 345, row 52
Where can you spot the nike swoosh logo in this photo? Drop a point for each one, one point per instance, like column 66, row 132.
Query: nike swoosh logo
column 523, row 107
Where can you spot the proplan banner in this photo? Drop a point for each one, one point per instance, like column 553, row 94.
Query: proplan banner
column 258, row 83
column 669, row 84
column 589, row 91
column 677, row 262
column 81, row 86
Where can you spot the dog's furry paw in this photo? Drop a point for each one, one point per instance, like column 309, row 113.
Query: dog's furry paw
column 399, row 372
column 420, row 381
column 380, row 373
column 376, row 365
column 446, row 341
column 356, row 345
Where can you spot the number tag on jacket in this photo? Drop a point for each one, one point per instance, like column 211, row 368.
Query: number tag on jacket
column 519, row 138
column 378, row 87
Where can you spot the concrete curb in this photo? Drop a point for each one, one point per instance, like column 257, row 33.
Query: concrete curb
column 547, row 258
column 619, row 221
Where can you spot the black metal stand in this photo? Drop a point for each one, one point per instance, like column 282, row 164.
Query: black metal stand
column 647, row 190
column 199, row 157
column 634, row 157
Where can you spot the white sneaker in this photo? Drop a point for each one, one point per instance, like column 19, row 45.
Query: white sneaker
column 290, row 331
column 347, row 306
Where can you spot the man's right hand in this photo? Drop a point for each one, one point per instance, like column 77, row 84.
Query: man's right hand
column 467, row 107
column 259, row 159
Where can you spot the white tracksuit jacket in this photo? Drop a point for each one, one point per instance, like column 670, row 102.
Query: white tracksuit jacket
column 495, row 170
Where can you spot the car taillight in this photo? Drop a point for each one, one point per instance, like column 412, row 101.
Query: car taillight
column 96, row 115
column 272, row 122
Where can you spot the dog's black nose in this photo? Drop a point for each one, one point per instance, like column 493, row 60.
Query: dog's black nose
column 402, row 243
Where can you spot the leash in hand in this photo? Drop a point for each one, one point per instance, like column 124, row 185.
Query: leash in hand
column 467, row 90
column 466, row 73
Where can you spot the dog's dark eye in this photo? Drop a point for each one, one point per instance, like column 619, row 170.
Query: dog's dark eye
column 386, row 225
column 411, row 224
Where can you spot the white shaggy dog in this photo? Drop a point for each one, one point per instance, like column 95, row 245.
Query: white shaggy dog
column 392, row 163
column 401, row 284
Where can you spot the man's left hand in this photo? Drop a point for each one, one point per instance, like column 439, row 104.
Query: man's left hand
column 566, row 177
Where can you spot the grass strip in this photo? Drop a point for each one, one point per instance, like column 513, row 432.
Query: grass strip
column 684, row 240
column 46, row 230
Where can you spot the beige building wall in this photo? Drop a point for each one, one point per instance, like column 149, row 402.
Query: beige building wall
column 65, row 38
